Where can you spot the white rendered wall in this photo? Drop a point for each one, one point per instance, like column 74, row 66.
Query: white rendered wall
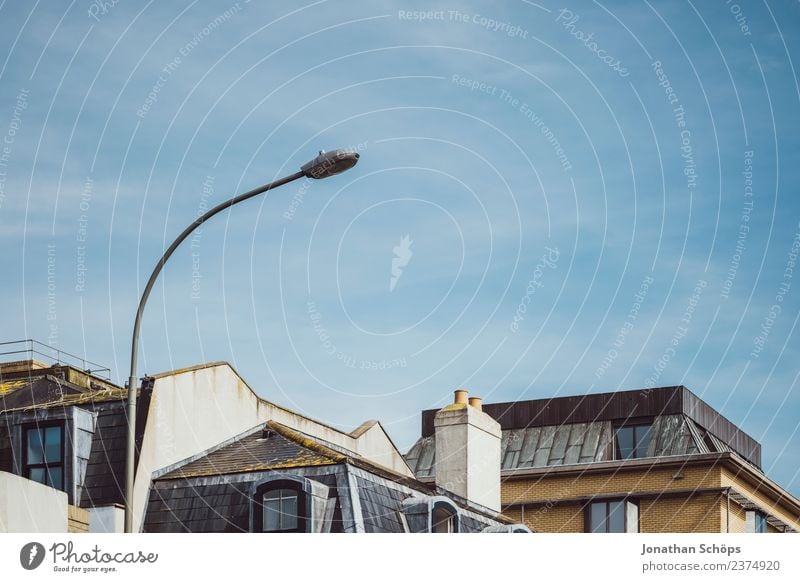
column 468, row 454
column 30, row 507
column 107, row 519
column 196, row 409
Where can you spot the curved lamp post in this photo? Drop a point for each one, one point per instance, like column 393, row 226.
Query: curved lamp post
column 324, row 165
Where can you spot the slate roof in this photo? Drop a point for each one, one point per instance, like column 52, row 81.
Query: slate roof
column 178, row 507
column 32, row 392
column 211, row 492
column 42, row 388
column 275, row 447
column 572, row 444
column 381, row 506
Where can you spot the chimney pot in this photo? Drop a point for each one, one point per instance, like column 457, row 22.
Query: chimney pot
column 476, row 402
column 461, row 396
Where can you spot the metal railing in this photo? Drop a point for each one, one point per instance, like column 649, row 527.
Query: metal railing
column 29, row 349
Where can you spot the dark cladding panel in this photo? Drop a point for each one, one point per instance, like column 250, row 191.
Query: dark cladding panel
column 380, row 506
column 610, row 406
column 180, row 506
column 721, row 427
column 105, row 468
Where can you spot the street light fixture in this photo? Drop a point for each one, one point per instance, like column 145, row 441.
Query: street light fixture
column 324, row 165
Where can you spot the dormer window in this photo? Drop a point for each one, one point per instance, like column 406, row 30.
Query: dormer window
column 633, row 441
column 280, row 510
column 280, row 506
column 444, row 521
column 431, row 514
column 43, row 449
column 444, row 518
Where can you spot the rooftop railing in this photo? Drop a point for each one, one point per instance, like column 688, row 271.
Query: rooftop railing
column 31, row 349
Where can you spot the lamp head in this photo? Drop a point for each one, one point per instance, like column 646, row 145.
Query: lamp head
column 330, row 163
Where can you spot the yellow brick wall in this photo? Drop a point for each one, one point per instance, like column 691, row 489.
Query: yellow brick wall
column 578, row 484
column 551, row 519
column 760, row 498
column 78, row 519
column 706, row 512
column 737, row 518
column 700, row 513
column 697, row 514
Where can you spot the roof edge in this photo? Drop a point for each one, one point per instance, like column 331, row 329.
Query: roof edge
column 197, row 367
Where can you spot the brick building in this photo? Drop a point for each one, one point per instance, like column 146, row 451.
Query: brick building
column 658, row 460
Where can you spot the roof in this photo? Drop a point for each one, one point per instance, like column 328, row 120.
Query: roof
column 34, row 387
column 275, row 446
column 617, row 407
column 571, row 444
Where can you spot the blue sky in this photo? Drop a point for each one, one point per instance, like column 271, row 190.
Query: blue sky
column 596, row 196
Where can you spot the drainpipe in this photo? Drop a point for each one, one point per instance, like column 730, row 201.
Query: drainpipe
column 728, row 510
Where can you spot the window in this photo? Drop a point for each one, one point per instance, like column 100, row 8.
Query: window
column 43, row 447
column 444, row 520
column 280, row 507
column 431, row 514
column 633, row 441
column 444, row 516
column 612, row 516
column 755, row 522
column 280, row 510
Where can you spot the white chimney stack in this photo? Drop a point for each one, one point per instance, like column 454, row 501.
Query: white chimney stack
column 468, row 451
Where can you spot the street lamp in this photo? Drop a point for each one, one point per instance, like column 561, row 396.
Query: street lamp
column 324, row 165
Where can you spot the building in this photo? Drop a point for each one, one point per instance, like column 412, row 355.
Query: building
column 657, row 460
column 275, row 479
column 63, row 434
column 213, row 456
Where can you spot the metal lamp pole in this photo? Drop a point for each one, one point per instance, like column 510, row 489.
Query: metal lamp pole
column 324, row 165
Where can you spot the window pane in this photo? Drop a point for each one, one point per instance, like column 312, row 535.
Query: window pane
column 37, row 475
column 598, row 513
column 289, row 512
column 625, row 442
column 280, row 510
column 274, row 494
column 761, row 523
column 272, row 514
column 642, row 434
column 55, row 478
column 616, row 517
column 35, row 446
column 52, row 447
column 442, row 520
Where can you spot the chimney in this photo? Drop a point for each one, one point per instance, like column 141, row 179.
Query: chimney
column 468, row 451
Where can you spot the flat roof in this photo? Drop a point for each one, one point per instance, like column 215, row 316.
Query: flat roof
column 620, row 406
